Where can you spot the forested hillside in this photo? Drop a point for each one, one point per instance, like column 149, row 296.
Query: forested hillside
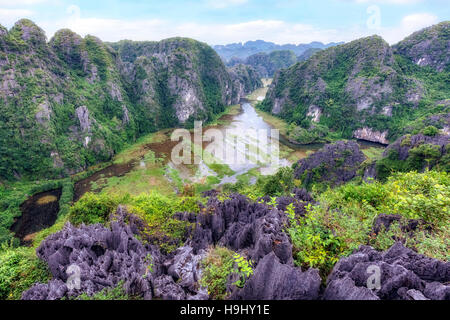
column 72, row 102
column 365, row 89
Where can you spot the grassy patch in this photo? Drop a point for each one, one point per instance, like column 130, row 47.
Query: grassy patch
column 137, row 150
column 221, row 119
column 373, row 153
column 140, row 180
column 274, row 121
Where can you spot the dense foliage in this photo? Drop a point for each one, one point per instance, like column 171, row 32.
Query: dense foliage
column 19, row 270
column 343, row 219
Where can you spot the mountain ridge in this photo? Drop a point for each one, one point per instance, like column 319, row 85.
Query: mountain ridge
column 246, row 49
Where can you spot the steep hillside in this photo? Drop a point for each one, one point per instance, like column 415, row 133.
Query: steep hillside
column 268, row 64
column 245, row 80
column 357, row 90
column 71, row 102
column 428, row 47
column 179, row 75
column 63, row 105
column 308, row 54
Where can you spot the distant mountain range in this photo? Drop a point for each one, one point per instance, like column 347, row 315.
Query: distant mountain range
column 243, row 51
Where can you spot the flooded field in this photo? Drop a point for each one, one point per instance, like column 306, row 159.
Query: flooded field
column 38, row 212
column 244, row 134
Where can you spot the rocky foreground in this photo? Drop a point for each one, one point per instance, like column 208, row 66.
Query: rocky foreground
column 109, row 256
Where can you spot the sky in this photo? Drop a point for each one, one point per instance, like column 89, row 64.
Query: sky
column 230, row 21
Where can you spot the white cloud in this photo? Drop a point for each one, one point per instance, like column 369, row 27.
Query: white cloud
column 10, row 16
column 16, row 3
column 388, row 1
column 220, row 4
column 277, row 31
column 408, row 25
column 213, row 33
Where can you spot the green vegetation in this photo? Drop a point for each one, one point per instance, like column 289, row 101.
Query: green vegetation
column 154, row 209
column 108, row 294
column 343, row 219
column 14, row 194
column 340, row 78
column 280, row 183
column 93, row 209
column 157, row 211
column 19, row 270
column 373, row 153
column 314, row 245
column 419, row 157
column 220, row 265
column 339, row 221
column 268, row 64
column 68, row 106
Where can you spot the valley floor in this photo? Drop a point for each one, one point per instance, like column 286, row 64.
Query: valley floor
column 254, row 230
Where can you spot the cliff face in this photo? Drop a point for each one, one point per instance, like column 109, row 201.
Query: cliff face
column 415, row 152
column 179, row 76
column 71, row 102
column 245, row 80
column 361, row 89
column 333, row 165
column 348, row 85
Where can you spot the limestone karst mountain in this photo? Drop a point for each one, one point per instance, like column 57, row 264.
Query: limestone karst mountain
column 72, row 102
column 364, row 89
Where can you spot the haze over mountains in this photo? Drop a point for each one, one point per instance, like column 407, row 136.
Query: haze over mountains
column 74, row 101
column 244, row 50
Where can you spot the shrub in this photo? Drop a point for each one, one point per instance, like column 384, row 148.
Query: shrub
column 219, row 266
column 315, row 246
column 280, row 183
column 425, row 154
column 420, row 196
column 372, row 193
column 430, row 131
column 108, row 294
column 92, row 209
column 19, row 270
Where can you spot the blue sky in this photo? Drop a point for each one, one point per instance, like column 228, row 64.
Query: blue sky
column 226, row 21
